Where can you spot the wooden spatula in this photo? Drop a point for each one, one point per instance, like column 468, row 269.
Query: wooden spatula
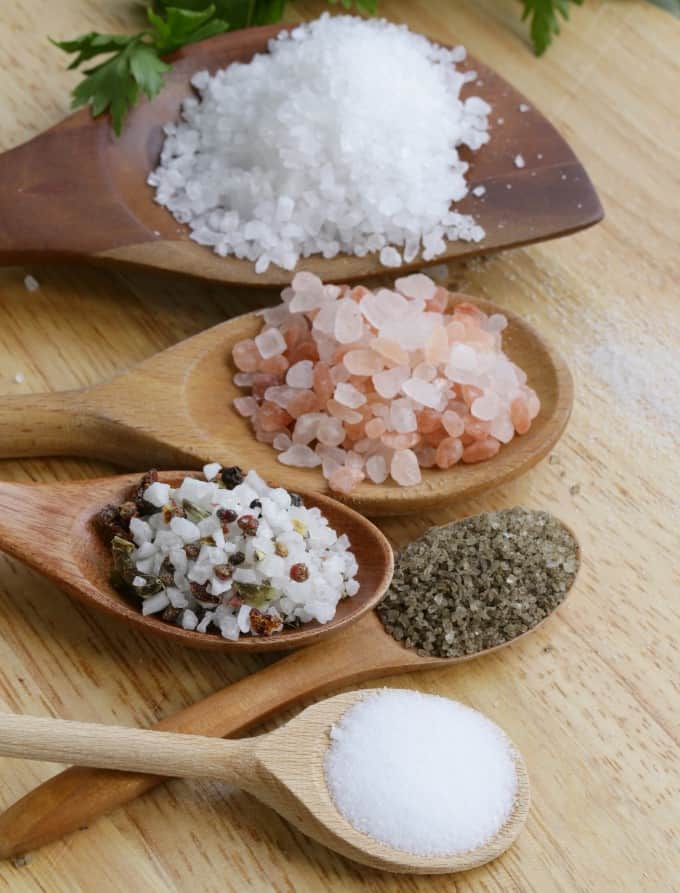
column 76, row 191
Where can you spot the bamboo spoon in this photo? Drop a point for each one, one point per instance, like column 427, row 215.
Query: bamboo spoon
column 284, row 769
column 175, row 411
column 51, row 528
column 76, row 191
column 72, row 799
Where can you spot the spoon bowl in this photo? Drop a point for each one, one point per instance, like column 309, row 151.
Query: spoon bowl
column 76, row 191
column 284, row 769
column 175, row 411
column 51, row 527
column 363, row 651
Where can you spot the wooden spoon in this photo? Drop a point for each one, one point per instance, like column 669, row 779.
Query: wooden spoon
column 175, row 411
column 78, row 192
column 70, row 800
column 284, row 769
column 51, row 528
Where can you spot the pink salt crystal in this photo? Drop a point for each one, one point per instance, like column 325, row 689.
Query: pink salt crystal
column 299, row 455
column 324, row 321
column 449, row 451
column 345, row 479
column 246, row 356
column 330, row 432
column 271, row 417
column 455, row 331
column 343, row 413
column 358, row 292
column 245, row 406
column 301, row 375
column 307, row 426
column 481, row 450
column 439, row 301
column 428, row 420
column 388, row 383
column 382, row 307
column 395, row 441
column 281, row 441
column 404, row 468
column 425, row 371
column 303, row 402
column 274, row 365
column 303, row 350
column 519, row 415
column 375, row 428
column 363, row 362
column 416, row 285
column 264, row 436
column 356, row 431
column 324, row 386
column 295, row 330
column 462, row 356
column 280, row 394
column 270, row 343
column 244, row 379
column 354, row 460
column 390, row 350
column 476, row 428
column 308, row 293
column 453, row 423
column 469, row 393
column 402, row 416
column 349, row 395
column 349, row 325
column 262, row 382
column 366, row 445
column 339, row 373
column 502, row 428
column 376, row 469
column 424, row 392
column 486, row 407
column 426, row 456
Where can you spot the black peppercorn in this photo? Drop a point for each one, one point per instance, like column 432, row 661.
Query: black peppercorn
column 295, row 500
column 232, row 477
column 256, row 504
column 237, row 558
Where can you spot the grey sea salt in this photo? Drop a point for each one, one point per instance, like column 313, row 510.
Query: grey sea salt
column 479, row 582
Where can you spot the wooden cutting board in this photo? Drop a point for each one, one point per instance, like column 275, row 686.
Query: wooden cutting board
column 590, row 700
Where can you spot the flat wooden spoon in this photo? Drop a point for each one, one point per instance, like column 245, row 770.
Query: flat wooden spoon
column 78, row 192
column 284, row 769
column 72, row 799
column 175, row 411
column 51, row 527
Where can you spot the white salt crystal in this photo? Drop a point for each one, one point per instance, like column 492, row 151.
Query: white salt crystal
column 382, row 306
column 31, row 283
column 424, row 392
column 404, row 468
column 19, row 378
column 388, row 383
column 185, row 529
column 390, row 257
column 301, row 375
column 348, row 326
column 402, row 417
column 157, row 494
column 189, row 620
column 270, row 343
column 348, row 395
column 519, row 161
column 154, row 603
column 421, row 773
column 479, row 191
column 523, row 107
column 486, row 407
column 376, row 469
column 210, row 471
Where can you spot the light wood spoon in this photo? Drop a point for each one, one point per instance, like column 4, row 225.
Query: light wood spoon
column 77, row 192
column 51, row 527
column 72, row 799
column 175, row 411
column 284, row 769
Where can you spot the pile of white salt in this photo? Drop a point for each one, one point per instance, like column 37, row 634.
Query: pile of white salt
column 421, row 773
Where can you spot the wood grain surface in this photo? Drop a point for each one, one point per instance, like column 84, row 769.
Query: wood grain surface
column 591, row 700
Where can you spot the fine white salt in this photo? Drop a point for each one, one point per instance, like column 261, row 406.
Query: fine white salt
column 344, row 137
column 31, row 283
column 519, row 161
column 421, row 773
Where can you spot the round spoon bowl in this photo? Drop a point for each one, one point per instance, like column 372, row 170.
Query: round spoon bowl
column 78, row 559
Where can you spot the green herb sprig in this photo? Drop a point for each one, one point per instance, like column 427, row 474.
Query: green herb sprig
column 135, row 65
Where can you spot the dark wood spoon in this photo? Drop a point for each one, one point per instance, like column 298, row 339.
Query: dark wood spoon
column 78, row 192
column 51, row 528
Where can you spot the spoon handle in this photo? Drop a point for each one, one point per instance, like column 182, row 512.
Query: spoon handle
column 54, row 424
column 73, row 798
column 112, row 747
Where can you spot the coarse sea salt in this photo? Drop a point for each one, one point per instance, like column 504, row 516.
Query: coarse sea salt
column 390, row 381
column 301, row 152
column 421, row 773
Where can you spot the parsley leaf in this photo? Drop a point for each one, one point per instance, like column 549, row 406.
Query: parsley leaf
column 544, row 22
column 183, row 26
column 368, row 6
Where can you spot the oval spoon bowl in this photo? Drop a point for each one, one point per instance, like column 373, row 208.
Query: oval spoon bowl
column 108, row 213
column 76, row 557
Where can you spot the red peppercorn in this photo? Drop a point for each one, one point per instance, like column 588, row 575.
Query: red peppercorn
column 248, row 524
column 299, row 573
column 226, row 516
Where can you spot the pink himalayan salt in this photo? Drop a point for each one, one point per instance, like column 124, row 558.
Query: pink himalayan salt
column 345, row 479
column 376, row 469
column 457, row 357
column 481, row 450
column 270, row 343
column 449, row 451
column 245, row 406
column 404, row 468
column 300, row 455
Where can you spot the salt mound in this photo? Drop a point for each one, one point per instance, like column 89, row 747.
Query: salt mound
column 343, row 138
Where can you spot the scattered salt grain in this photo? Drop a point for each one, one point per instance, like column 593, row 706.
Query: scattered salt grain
column 523, row 107
column 294, row 154
column 421, row 773
column 519, row 161
column 19, row 378
column 479, row 191
column 31, row 283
